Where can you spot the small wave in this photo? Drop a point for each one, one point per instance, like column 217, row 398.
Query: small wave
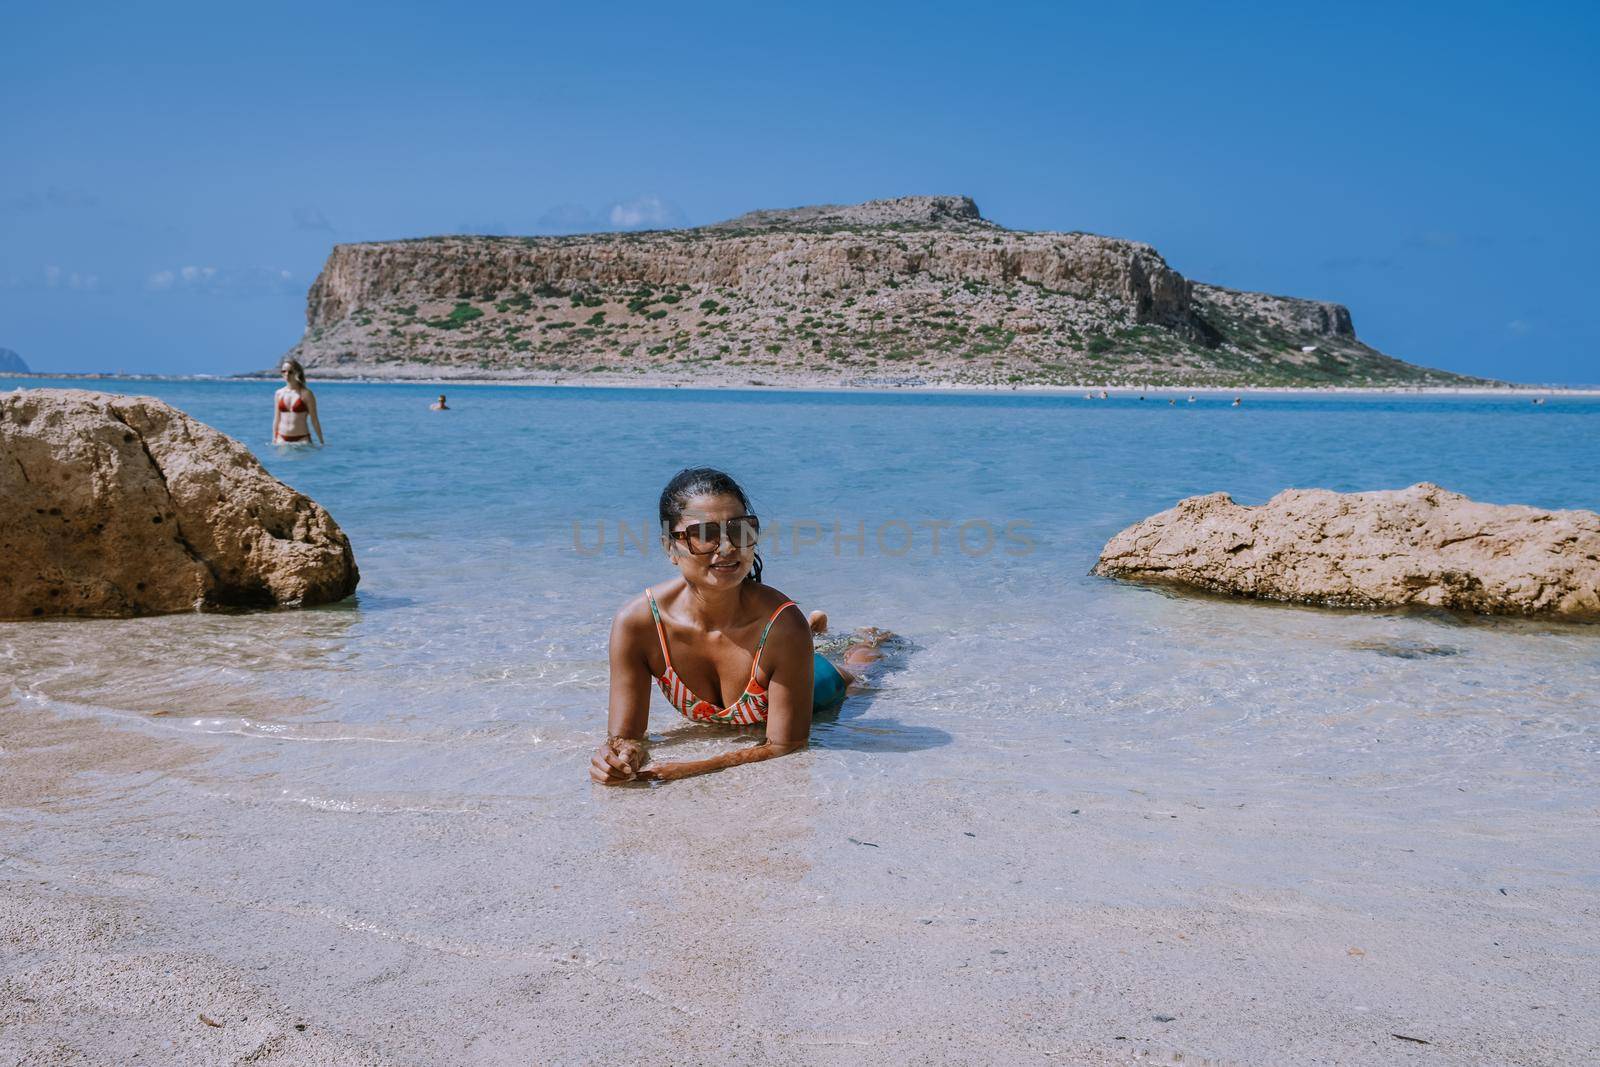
column 370, row 807
column 1401, row 649
column 312, row 731
column 318, row 731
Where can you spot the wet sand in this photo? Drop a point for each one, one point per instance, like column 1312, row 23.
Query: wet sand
column 1151, row 922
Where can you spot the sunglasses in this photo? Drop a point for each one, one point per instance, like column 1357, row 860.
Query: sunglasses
column 704, row 538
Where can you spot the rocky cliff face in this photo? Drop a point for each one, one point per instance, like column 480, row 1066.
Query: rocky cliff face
column 919, row 286
column 921, row 212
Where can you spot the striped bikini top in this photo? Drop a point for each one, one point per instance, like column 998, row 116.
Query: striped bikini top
column 749, row 709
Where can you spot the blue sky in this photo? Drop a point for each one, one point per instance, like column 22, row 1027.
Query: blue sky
column 174, row 175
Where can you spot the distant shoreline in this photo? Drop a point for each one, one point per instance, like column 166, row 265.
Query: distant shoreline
column 862, row 385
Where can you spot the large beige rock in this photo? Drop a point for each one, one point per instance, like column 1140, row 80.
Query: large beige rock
column 1423, row 545
column 115, row 506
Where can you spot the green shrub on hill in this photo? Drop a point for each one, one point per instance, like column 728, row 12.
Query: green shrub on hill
column 459, row 316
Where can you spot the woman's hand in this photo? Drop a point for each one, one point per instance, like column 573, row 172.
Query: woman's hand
column 617, row 761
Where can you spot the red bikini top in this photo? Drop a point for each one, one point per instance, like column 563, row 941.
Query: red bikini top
column 749, row 709
column 297, row 404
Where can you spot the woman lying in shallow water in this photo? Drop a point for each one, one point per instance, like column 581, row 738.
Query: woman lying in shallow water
column 723, row 648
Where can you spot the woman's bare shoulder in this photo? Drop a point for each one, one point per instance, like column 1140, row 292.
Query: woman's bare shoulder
column 789, row 636
column 634, row 614
column 633, row 609
column 632, row 626
column 787, row 622
column 770, row 598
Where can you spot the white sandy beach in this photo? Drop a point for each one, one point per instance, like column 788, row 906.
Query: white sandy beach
column 1171, row 922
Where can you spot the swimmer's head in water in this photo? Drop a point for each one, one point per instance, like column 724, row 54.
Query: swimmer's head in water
column 294, row 373
column 707, row 495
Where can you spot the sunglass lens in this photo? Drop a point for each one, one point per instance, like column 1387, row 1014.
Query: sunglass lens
column 704, row 538
column 744, row 532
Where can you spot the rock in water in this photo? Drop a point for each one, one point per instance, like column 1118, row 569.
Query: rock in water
column 12, row 363
column 1423, row 545
column 118, row 506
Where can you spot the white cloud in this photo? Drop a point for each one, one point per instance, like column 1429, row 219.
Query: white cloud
column 644, row 212
column 53, row 276
column 221, row 281
column 60, row 278
column 640, row 213
column 59, row 198
column 569, row 218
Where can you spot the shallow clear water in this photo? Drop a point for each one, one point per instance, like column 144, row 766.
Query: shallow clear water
column 468, row 675
column 488, row 543
column 488, row 539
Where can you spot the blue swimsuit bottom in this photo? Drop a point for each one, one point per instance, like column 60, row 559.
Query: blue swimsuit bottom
column 827, row 687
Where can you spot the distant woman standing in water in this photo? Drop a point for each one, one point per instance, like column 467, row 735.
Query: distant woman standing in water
column 292, row 406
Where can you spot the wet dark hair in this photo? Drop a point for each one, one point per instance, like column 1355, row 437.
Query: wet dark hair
column 701, row 481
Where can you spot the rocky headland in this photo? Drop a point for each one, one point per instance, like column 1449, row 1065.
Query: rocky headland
column 1422, row 546
column 12, row 363
column 918, row 290
column 121, row 506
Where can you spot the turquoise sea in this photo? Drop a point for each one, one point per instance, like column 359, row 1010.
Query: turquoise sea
column 426, row 741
